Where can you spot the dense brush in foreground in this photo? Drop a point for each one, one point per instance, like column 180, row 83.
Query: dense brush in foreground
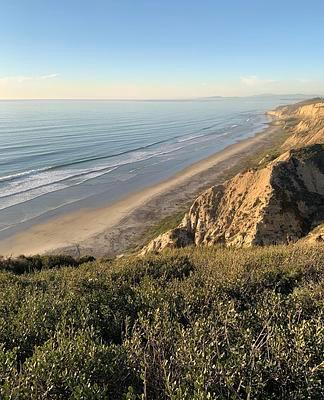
column 192, row 324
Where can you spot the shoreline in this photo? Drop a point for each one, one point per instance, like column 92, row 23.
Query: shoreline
column 109, row 230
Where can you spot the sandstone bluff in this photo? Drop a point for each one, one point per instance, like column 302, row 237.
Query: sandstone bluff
column 279, row 203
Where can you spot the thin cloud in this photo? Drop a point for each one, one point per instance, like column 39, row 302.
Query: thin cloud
column 17, row 79
column 25, row 78
column 50, row 76
column 254, row 80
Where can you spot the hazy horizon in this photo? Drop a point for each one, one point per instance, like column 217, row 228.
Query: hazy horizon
column 300, row 96
column 159, row 50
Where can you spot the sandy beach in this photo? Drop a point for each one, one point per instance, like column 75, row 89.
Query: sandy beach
column 110, row 230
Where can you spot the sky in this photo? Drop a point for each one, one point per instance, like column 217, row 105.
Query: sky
column 109, row 49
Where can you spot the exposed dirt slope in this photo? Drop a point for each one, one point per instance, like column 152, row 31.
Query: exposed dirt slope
column 276, row 204
column 304, row 121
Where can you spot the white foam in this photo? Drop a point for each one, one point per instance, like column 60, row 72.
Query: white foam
column 20, row 174
column 190, row 138
column 31, row 194
column 28, row 187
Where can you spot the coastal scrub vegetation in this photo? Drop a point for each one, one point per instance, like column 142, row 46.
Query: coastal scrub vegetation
column 24, row 264
column 193, row 323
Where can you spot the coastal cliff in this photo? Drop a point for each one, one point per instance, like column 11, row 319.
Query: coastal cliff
column 277, row 204
column 305, row 123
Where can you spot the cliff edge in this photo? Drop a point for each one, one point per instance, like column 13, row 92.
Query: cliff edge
column 277, row 204
column 304, row 122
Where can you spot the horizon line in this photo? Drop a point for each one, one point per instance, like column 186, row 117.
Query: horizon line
column 160, row 99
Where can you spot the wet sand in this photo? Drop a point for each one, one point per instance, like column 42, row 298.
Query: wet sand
column 110, row 230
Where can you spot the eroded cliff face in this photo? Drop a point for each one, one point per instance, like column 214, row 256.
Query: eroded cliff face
column 305, row 123
column 276, row 204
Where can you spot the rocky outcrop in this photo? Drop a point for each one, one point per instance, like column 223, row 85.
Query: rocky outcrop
column 175, row 238
column 315, row 236
column 276, row 204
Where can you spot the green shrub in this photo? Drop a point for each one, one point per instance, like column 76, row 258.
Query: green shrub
column 73, row 365
column 29, row 264
column 193, row 323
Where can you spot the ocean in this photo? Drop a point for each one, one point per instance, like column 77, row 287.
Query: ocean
column 57, row 156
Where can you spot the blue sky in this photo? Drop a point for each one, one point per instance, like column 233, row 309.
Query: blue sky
column 142, row 48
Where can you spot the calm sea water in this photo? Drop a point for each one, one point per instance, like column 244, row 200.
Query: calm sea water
column 58, row 155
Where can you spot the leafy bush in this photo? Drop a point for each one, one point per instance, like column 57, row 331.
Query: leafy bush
column 29, row 264
column 194, row 323
column 73, row 365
